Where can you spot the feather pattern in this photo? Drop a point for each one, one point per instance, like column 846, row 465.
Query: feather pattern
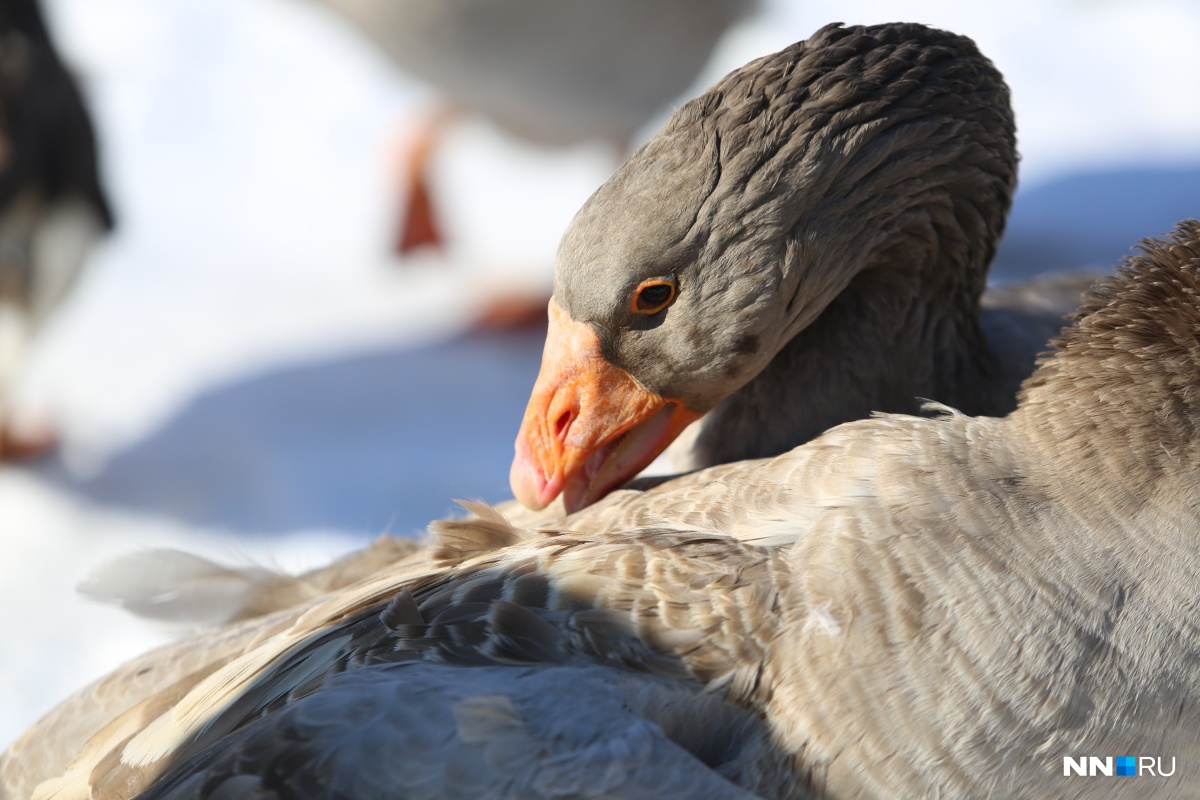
column 904, row 606
column 832, row 232
column 952, row 617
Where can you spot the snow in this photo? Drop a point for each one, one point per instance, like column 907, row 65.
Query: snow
column 244, row 372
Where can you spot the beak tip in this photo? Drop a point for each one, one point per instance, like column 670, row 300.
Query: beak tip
column 527, row 482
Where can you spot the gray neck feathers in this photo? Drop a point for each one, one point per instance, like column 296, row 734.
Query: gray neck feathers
column 881, row 168
column 1117, row 410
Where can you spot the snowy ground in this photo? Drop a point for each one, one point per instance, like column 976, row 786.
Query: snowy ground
column 245, row 373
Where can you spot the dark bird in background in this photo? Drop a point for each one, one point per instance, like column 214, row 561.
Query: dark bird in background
column 52, row 207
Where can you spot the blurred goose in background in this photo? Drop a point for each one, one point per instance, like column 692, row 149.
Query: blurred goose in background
column 552, row 72
column 804, row 244
column 52, row 207
column 903, row 607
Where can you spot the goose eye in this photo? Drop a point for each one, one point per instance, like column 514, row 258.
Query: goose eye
column 653, row 296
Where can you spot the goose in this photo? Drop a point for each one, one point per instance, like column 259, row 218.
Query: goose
column 803, row 244
column 52, row 205
column 550, row 73
column 836, row 205
column 944, row 605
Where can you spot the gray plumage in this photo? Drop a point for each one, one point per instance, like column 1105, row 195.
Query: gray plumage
column 903, row 607
column 829, row 213
column 859, row 182
column 825, row 216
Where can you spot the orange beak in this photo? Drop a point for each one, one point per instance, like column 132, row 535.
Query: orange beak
column 590, row 426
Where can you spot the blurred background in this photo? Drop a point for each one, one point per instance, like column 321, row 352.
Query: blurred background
column 247, row 368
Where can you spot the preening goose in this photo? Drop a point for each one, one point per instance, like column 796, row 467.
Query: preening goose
column 822, row 219
column 552, row 73
column 940, row 606
column 803, row 244
column 52, row 207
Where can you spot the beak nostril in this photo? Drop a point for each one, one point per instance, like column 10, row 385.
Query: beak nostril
column 563, row 424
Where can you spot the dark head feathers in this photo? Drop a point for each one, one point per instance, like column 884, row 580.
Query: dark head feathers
column 836, row 92
column 861, row 151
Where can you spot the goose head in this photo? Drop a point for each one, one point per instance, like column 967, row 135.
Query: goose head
column 870, row 168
